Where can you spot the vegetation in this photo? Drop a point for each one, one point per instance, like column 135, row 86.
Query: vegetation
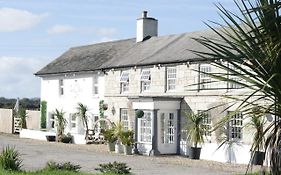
column 43, row 172
column 248, row 47
column 118, row 130
column 22, row 115
column 60, row 124
column 195, row 128
column 109, row 135
column 43, row 121
column 82, row 113
column 10, row 159
column 127, row 138
column 67, row 138
column 114, row 168
column 33, row 103
column 67, row 166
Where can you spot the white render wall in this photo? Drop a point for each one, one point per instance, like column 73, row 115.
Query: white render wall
column 78, row 88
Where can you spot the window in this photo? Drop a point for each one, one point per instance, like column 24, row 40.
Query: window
column 145, row 80
column 52, row 120
column 207, row 122
column 124, row 81
column 145, row 127
column 124, row 118
column 235, row 126
column 95, row 85
column 171, row 78
column 232, row 76
column 205, row 80
column 73, row 121
column 61, row 90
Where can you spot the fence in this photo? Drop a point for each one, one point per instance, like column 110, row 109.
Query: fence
column 6, row 120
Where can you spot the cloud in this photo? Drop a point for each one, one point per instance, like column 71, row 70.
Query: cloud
column 56, row 29
column 106, row 31
column 16, row 76
column 101, row 40
column 12, row 20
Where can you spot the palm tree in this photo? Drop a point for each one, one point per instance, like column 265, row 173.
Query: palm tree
column 248, row 46
column 82, row 113
column 60, row 124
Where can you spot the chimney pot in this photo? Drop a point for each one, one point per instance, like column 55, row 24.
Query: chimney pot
column 144, row 14
column 146, row 27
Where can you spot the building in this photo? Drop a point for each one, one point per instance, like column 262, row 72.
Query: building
column 159, row 75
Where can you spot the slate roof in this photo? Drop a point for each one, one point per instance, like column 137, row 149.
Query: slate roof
column 127, row 53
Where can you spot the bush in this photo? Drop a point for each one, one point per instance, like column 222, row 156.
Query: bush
column 67, row 138
column 114, row 168
column 10, row 159
column 67, row 166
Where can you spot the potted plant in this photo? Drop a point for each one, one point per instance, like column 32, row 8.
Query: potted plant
column 127, row 139
column 139, row 113
column 67, row 138
column 257, row 122
column 118, row 129
column 60, row 124
column 195, row 135
column 110, row 138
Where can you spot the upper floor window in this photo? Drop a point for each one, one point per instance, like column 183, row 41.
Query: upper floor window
column 124, row 118
column 61, row 87
column 233, row 76
column 171, row 78
column 207, row 122
column 95, row 85
column 145, row 80
column 205, row 79
column 235, row 126
column 124, row 81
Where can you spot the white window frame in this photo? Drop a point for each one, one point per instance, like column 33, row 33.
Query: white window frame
column 95, row 85
column 124, row 81
column 124, row 118
column 232, row 85
column 171, row 78
column 145, row 135
column 52, row 121
column 145, row 80
column 61, row 87
column 205, row 80
column 235, row 126
column 73, row 121
column 207, row 122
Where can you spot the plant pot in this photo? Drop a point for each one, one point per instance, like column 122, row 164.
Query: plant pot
column 127, row 149
column 194, row 153
column 258, row 158
column 66, row 139
column 119, row 148
column 111, row 146
column 51, row 138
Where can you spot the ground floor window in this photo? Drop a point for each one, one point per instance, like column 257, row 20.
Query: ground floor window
column 73, row 121
column 146, row 127
column 235, row 126
column 124, row 118
column 207, row 122
column 52, row 120
column 167, row 128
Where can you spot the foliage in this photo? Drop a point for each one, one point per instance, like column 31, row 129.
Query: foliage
column 60, row 123
column 10, row 159
column 82, row 113
column 27, row 103
column 127, row 137
column 67, row 166
column 139, row 113
column 109, row 135
column 67, row 138
column 118, row 130
column 101, row 108
column 43, row 172
column 43, row 109
column 195, row 128
column 248, row 47
column 22, row 116
column 115, row 168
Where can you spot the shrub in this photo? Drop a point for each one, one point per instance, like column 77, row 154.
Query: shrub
column 43, row 114
column 67, row 166
column 10, row 159
column 114, row 168
column 67, row 138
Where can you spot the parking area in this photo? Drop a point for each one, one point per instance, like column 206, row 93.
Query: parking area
column 36, row 153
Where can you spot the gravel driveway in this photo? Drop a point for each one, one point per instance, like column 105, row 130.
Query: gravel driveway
column 35, row 154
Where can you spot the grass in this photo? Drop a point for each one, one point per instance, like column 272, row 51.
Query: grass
column 47, row 172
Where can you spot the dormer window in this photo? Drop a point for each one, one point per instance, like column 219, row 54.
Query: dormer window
column 124, row 81
column 145, row 80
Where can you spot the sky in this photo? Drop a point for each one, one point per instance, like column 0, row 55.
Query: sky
column 33, row 32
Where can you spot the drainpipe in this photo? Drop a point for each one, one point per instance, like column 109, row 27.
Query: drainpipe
column 136, row 151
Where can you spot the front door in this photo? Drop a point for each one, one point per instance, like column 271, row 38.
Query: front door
column 167, row 132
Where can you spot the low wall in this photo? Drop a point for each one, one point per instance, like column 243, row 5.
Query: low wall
column 6, row 121
column 33, row 119
column 34, row 134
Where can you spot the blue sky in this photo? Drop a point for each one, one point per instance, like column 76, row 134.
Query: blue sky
column 35, row 32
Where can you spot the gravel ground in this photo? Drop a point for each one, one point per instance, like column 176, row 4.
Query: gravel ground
column 36, row 153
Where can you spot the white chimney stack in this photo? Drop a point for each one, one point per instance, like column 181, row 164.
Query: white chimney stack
column 146, row 27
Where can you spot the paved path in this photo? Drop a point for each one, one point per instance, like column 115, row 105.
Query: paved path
column 35, row 154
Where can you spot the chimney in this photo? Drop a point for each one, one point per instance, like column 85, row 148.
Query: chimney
column 146, row 27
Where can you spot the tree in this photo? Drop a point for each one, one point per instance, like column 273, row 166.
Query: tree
column 82, row 113
column 60, row 124
column 248, row 46
column 22, row 116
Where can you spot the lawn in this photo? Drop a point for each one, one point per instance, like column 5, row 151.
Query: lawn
column 46, row 172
